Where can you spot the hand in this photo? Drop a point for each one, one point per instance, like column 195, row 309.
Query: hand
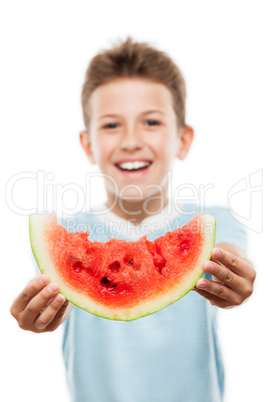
column 233, row 279
column 39, row 307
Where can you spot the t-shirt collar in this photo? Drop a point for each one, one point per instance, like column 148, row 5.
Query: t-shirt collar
column 129, row 229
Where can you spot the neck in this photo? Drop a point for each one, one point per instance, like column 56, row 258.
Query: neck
column 137, row 211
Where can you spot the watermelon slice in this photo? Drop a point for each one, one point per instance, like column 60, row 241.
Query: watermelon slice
column 122, row 280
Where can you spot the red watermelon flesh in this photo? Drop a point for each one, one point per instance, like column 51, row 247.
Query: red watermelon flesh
column 122, row 280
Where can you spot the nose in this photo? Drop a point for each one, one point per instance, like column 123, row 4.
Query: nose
column 131, row 139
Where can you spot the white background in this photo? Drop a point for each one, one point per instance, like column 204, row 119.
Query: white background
column 221, row 48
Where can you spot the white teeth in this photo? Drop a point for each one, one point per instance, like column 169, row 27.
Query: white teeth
column 133, row 165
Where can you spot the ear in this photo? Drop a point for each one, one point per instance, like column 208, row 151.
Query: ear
column 87, row 145
column 186, row 138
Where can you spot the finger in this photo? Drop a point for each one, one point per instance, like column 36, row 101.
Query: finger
column 214, row 300
column 223, row 274
column 33, row 308
column 219, row 290
column 49, row 313
column 31, row 290
column 236, row 264
column 58, row 317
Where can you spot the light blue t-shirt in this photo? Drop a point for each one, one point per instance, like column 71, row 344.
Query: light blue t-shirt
column 170, row 356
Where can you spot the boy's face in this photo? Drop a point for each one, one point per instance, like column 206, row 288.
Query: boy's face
column 133, row 137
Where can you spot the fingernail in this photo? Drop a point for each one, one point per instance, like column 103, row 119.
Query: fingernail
column 52, row 287
column 44, row 278
column 216, row 252
column 59, row 299
column 201, row 284
column 208, row 265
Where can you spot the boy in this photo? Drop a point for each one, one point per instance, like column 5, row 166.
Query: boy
column 133, row 103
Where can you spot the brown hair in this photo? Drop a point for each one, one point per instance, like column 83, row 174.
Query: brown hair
column 133, row 59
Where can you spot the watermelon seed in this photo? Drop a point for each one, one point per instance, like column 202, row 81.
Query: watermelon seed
column 128, row 259
column 105, row 282
column 114, row 266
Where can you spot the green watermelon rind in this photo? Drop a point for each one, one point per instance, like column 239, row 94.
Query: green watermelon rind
column 38, row 222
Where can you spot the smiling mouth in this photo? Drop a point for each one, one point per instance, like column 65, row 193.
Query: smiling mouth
column 133, row 169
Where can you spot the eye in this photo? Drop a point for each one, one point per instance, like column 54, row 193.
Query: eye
column 155, row 123
column 113, row 125
column 109, row 125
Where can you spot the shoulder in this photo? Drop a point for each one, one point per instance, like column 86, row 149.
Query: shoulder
column 224, row 217
column 229, row 229
column 187, row 211
column 221, row 213
column 218, row 210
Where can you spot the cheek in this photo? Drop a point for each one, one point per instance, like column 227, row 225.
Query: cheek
column 163, row 147
column 103, row 149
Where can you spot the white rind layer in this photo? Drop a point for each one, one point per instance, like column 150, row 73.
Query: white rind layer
column 38, row 224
